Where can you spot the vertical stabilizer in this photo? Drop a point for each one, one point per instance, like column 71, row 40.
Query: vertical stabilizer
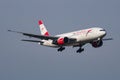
column 43, row 29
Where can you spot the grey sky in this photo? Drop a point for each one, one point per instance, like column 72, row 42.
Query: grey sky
column 29, row 61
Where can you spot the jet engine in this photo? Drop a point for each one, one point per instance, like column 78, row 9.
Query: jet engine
column 97, row 43
column 61, row 41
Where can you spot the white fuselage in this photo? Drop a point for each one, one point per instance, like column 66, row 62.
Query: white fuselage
column 82, row 36
column 94, row 36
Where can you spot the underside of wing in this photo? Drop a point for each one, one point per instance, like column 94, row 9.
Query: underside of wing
column 37, row 41
column 106, row 39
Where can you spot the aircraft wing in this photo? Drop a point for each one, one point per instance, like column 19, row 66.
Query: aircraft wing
column 35, row 36
column 37, row 41
column 42, row 37
column 107, row 39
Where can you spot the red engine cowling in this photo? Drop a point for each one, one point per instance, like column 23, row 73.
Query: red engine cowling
column 61, row 41
column 97, row 43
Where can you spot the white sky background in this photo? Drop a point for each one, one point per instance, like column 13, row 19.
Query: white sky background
column 29, row 61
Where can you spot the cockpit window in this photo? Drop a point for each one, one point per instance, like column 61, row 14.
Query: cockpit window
column 102, row 30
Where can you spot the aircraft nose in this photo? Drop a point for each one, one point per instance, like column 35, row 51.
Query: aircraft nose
column 103, row 32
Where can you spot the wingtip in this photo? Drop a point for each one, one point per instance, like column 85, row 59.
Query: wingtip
column 9, row 30
column 108, row 39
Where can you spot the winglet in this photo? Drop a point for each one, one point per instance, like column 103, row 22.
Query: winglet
column 40, row 22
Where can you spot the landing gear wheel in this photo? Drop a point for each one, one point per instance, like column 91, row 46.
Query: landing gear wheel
column 61, row 49
column 80, row 50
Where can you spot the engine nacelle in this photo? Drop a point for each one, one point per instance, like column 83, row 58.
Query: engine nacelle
column 61, row 41
column 97, row 43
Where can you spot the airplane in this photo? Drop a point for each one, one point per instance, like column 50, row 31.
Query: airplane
column 79, row 38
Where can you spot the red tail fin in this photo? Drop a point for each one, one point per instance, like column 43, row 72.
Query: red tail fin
column 43, row 28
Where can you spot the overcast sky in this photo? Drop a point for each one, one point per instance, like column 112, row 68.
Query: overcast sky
column 30, row 61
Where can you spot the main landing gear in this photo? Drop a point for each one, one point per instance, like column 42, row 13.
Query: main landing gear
column 61, row 49
column 80, row 50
